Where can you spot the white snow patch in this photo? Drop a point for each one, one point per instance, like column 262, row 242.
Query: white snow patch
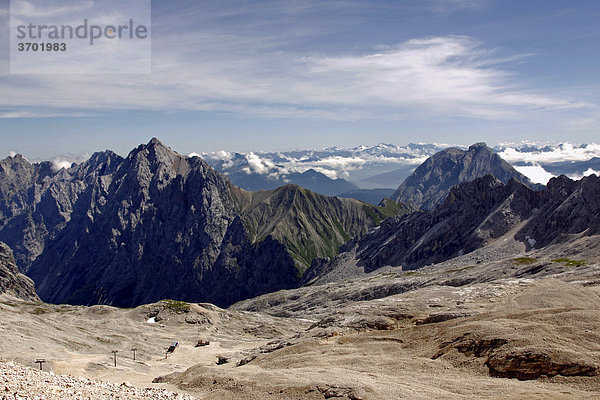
column 151, row 320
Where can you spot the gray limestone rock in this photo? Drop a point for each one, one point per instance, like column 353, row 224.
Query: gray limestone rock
column 12, row 282
column 431, row 182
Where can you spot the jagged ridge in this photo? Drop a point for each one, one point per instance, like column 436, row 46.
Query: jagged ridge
column 36, row 201
column 310, row 225
column 160, row 225
column 474, row 215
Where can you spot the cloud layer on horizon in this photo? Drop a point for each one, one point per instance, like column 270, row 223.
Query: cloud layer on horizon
column 349, row 163
column 538, row 153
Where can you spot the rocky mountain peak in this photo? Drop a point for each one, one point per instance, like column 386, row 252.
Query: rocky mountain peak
column 99, row 164
column 154, row 150
column 154, row 164
column 103, row 157
column 479, row 146
column 158, row 224
column 466, row 194
column 14, row 163
column 17, row 158
column 432, row 181
column 560, row 185
column 476, row 214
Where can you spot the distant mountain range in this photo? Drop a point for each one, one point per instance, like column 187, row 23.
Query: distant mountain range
column 574, row 169
column 372, row 196
column 386, row 165
column 339, row 171
column 156, row 224
column 266, row 170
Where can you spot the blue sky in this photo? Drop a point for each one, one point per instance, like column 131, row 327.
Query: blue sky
column 270, row 75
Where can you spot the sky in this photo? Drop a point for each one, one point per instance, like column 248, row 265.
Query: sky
column 274, row 75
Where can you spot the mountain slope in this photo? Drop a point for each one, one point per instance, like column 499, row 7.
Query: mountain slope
column 431, row 182
column 12, row 282
column 474, row 215
column 569, row 209
column 310, row 225
column 391, row 179
column 371, row 196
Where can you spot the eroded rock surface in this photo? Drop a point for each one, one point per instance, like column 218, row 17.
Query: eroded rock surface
column 12, row 282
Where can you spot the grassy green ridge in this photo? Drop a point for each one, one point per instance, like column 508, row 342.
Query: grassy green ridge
column 310, row 225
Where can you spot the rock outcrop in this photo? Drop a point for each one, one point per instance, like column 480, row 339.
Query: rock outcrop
column 12, row 282
column 531, row 364
column 474, row 214
column 431, row 182
column 569, row 208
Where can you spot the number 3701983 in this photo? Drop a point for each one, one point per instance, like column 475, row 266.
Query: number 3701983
column 42, row 46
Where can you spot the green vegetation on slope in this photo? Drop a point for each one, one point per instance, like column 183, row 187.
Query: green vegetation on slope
column 524, row 260
column 176, row 306
column 310, row 225
column 570, row 263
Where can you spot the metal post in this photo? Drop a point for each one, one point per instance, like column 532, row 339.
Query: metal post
column 133, row 351
column 41, row 361
column 115, row 356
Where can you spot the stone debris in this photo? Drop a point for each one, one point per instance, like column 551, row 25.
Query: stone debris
column 22, row 383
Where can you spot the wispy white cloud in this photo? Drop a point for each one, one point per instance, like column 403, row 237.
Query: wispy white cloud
column 42, row 114
column 443, row 75
column 591, row 171
column 60, row 164
column 448, row 6
column 205, row 65
column 66, row 160
column 28, row 9
column 452, row 75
